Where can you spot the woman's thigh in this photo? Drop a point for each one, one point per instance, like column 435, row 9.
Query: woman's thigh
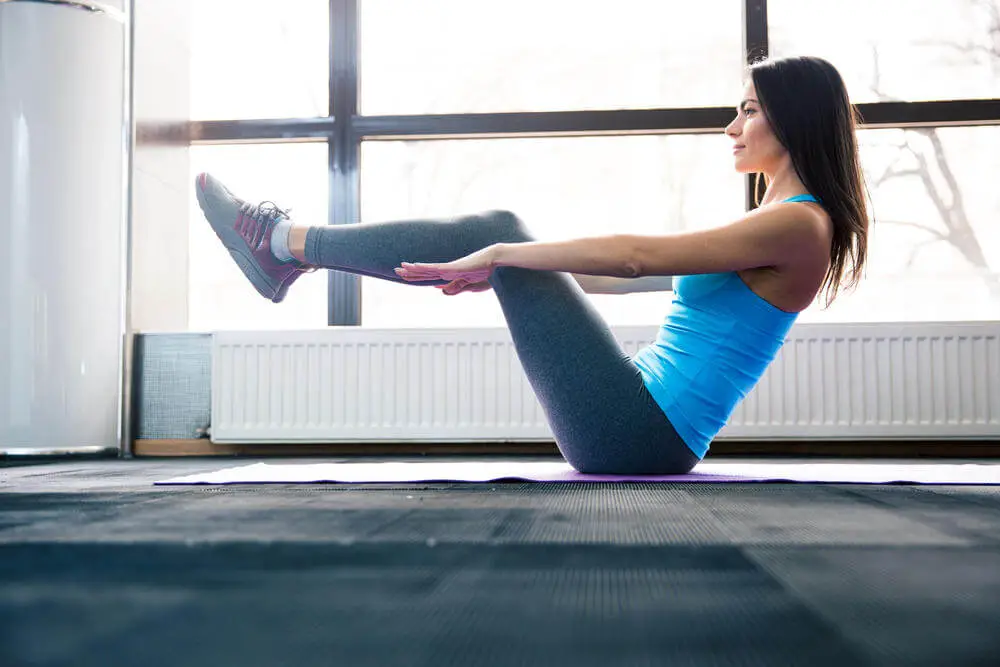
column 602, row 415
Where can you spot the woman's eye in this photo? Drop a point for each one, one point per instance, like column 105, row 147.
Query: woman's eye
column 749, row 111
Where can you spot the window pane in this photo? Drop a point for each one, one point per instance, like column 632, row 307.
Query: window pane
column 257, row 59
column 291, row 175
column 562, row 188
column 889, row 49
column 934, row 250
column 455, row 56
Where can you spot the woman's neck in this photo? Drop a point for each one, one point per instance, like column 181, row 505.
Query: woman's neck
column 782, row 183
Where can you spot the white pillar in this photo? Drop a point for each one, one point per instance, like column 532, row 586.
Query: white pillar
column 62, row 281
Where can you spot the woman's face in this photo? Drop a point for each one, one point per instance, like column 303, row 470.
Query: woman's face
column 755, row 147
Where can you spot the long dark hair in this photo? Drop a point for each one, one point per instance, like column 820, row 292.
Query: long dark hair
column 806, row 103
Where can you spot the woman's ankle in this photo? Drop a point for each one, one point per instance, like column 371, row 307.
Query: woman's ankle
column 297, row 241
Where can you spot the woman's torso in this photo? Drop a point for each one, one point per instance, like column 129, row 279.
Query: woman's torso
column 721, row 334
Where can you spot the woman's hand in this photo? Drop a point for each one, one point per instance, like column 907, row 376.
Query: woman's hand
column 459, row 286
column 471, row 270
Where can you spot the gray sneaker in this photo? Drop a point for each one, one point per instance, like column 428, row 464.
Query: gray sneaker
column 245, row 229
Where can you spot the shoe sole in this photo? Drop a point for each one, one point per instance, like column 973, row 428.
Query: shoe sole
column 231, row 240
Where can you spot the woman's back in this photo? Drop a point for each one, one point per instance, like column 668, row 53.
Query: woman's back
column 793, row 286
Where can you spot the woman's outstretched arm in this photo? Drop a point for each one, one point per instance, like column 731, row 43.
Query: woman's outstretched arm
column 764, row 237
column 595, row 256
column 599, row 256
column 613, row 285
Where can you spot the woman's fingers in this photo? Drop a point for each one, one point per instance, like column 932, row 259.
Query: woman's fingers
column 417, row 276
column 461, row 285
column 476, row 281
column 412, row 273
column 423, row 272
column 473, row 287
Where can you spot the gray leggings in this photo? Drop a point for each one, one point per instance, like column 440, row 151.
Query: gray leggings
column 603, row 417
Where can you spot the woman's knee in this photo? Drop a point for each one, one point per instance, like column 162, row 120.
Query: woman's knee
column 505, row 226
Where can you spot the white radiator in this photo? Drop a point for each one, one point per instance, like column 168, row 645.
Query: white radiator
column 350, row 384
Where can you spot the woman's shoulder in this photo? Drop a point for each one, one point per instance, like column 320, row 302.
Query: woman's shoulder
column 810, row 208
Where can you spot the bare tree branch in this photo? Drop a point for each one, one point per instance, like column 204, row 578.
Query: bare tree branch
column 891, row 173
column 915, row 250
column 932, row 191
column 967, row 48
column 949, row 176
column 876, row 85
column 938, row 235
column 945, row 193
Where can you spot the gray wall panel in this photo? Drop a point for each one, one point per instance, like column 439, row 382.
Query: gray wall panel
column 172, row 384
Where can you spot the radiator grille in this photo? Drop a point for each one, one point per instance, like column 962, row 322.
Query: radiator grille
column 357, row 384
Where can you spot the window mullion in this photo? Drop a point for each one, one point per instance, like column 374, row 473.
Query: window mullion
column 344, row 305
column 755, row 47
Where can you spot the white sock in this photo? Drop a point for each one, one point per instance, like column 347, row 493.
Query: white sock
column 279, row 240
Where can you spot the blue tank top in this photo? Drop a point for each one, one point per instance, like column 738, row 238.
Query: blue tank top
column 713, row 347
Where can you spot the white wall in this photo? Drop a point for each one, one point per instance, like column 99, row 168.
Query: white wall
column 161, row 80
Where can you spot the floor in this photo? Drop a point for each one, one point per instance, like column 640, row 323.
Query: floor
column 100, row 567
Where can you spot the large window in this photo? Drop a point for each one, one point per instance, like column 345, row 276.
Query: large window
column 259, row 59
column 456, row 56
column 896, row 49
column 585, row 120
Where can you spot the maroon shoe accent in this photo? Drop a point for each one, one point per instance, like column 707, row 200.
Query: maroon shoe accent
column 245, row 230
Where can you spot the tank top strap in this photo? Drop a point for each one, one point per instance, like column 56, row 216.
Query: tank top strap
column 797, row 198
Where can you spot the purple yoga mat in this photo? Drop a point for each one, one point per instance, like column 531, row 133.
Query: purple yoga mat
column 871, row 472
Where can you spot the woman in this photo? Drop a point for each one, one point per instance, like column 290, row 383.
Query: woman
column 739, row 288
